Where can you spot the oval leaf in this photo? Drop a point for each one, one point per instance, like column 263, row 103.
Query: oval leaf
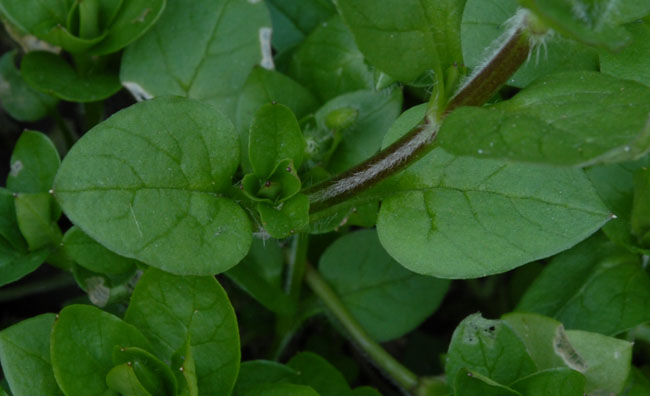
column 204, row 49
column 25, row 355
column 580, row 118
column 146, row 184
column 82, row 345
column 170, row 309
column 386, row 299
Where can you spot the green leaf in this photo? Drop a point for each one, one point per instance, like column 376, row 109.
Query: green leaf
column 35, row 17
column 146, row 184
column 282, row 390
column 559, row 381
column 274, row 136
column 259, row 274
column 595, row 286
column 581, row 118
column 86, row 252
column 82, row 342
column 604, row 361
column 641, row 207
column 154, row 375
column 470, row 383
column 329, row 63
column 132, row 21
column 258, row 372
column 546, row 341
column 489, row 348
column 203, row 50
column 615, row 185
column 293, row 20
column 34, row 163
column 289, row 217
column 14, row 264
column 170, row 309
column 18, row 99
column 9, row 230
column 387, row 300
column 486, row 20
column 637, row 384
column 365, row 391
column 266, row 86
column 404, row 38
column 608, row 360
column 484, row 216
column 376, row 112
column 632, row 61
column 123, row 380
column 25, row 356
column 319, row 374
column 185, row 368
column 452, row 202
column 592, row 22
column 51, row 74
column 36, row 220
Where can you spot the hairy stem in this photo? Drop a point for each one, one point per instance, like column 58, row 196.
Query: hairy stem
column 480, row 86
column 401, row 375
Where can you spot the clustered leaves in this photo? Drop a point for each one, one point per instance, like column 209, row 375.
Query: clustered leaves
column 372, row 153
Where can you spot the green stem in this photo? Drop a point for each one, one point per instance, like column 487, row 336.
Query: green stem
column 480, row 87
column 382, row 359
column 296, row 265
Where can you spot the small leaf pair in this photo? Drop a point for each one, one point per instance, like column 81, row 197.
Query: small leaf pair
column 28, row 229
column 276, row 149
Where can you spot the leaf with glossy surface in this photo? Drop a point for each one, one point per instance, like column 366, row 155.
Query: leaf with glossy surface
column 18, row 99
column 25, row 356
column 595, row 286
column 34, row 163
column 258, row 372
column 559, row 381
column 486, row 20
column 204, row 49
column 581, row 118
column 92, row 334
column 146, row 184
column 274, row 136
column 468, row 382
column 51, row 74
column 169, row 309
column 387, row 300
column 489, row 348
column 329, row 63
column 319, row 374
column 404, row 38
